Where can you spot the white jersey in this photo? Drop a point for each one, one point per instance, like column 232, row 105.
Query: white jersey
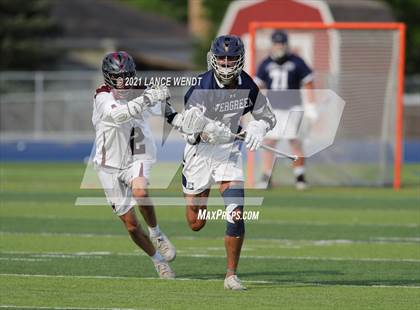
column 119, row 145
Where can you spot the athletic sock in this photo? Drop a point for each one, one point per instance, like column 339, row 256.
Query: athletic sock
column 299, row 173
column 154, row 231
column 301, row 178
column 157, row 258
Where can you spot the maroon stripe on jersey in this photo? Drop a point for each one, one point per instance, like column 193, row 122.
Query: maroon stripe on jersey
column 103, row 89
column 103, row 152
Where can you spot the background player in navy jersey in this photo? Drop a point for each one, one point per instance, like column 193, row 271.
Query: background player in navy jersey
column 213, row 156
column 283, row 74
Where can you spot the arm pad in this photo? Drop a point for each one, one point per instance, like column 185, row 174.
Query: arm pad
column 192, row 139
column 124, row 112
column 266, row 113
column 120, row 114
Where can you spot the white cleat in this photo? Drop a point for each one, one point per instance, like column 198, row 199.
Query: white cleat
column 165, row 247
column 301, row 186
column 164, row 271
column 233, row 283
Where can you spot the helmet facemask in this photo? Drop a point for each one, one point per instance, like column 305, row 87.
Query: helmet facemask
column 118, row 84
column 227, row 68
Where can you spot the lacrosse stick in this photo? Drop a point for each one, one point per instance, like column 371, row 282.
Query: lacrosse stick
column 268, row 148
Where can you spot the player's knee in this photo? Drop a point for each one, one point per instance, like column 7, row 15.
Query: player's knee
column 196, row 225
column 235, row 228
column 233, row 197
column 196, row 216
column 139, row 193
column 234, row 201
column 132, row 227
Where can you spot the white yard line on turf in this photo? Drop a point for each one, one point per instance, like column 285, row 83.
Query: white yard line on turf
column 166, row 201
column 25, row 259
column 315, row 223
column 99, row 254
column 406, row 260
column 262, row 222
column 23, row 275
column 90, row 235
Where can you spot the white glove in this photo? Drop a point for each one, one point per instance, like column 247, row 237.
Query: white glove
column 255, row 133
column 136, row 106
column 193, row 120
column 156, row 94
column 310, row 112
column 216, row 133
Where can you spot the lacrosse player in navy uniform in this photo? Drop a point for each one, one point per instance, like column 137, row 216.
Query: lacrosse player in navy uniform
column 213, row 155
column 283, row 74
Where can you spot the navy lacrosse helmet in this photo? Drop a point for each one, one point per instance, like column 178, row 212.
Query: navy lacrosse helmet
column 116, row 67
column 279, row 36
column 226, row 57
column 280, row 46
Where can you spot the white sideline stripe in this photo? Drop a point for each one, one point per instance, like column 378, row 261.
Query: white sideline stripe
column 90, row 235
column 315, row 223
column 166, row 201
column 406, row 260
column 96, row 254
column 25, row 259
column 62, row 308
column 260, row 222
column 24, row 275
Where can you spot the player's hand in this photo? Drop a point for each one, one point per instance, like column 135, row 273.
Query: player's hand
column 193, row 120
column 136, row 106
column 216, row 133
column 310, row 112
column 255, row 133
column 156, row 94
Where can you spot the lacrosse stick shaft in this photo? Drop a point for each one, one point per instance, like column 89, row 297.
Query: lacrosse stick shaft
column 205, row 121
column 271, row 149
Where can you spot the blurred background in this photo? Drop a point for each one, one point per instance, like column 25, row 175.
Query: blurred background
column 51, row 52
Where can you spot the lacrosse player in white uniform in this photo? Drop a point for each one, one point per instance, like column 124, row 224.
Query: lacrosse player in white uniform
column 125, row 152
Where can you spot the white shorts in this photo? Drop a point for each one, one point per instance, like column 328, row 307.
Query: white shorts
column 288, row 124
column 117, row 184
column 205, row 164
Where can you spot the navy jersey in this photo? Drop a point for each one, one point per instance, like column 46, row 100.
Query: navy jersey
column 284, row 79
column 228, row 105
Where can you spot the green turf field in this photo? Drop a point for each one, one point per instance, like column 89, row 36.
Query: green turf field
column 327, row 248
